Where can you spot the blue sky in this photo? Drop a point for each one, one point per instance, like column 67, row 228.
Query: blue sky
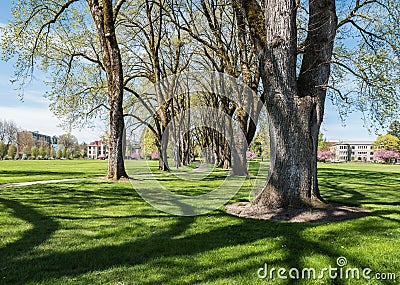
column 33, row 112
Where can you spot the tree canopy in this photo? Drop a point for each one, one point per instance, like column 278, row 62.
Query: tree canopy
column 387, row 142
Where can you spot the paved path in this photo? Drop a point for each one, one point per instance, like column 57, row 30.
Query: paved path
column 37, row 182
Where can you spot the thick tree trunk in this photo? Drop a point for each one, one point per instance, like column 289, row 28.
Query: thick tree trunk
column 162, row 153
column 162, row 162
column 239, row 159
column 295, row 105
column 293, row 171
column 175, row 143
column 104, row 18
column 116, row 167
column 226, row 155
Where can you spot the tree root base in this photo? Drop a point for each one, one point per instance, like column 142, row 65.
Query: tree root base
column 316, row 213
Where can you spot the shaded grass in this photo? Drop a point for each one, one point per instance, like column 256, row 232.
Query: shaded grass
column 92, row 232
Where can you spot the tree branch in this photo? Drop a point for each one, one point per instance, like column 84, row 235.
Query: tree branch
column 47, row 25
column 137, row 95
column 117, row 8
column 95, row 108
column 142, row 121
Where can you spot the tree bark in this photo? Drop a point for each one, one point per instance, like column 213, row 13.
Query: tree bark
column 162, row 145
column 295, row 105
column 104, row 18
column 239, row 148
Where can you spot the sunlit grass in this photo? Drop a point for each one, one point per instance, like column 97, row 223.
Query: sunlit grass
column 93, row 232
column 33, row 170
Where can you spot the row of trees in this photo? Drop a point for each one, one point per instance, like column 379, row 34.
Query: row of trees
column 50, row 153
column 388, row 146
column 287, row 53
column 14, row 142
column 67, row 147
column 8, row 138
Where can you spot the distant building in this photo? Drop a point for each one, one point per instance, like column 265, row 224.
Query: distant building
column 97, row 150
column 40, row 137
column 353, row 151
column 27, row 139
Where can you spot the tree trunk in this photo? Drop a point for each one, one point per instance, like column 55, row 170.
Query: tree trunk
column 116, row 167
column 239, row 159
column 292, row 179
column 226, row 155
column 295, row 105
column 162, row 162
column 104, row 19
column 162, row 145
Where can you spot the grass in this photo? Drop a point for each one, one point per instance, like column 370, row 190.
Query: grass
column 91, row 232
column 12, row 171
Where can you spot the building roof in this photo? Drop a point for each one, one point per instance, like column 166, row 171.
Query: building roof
column 354, row 142
column 95, row 143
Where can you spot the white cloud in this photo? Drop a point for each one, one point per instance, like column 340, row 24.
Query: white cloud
column 43, row 121
column 35, row 97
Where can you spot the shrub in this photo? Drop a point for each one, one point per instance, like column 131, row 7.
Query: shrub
column 154, row 155
column 251, row 155
column 323, row 155
column 386, row 156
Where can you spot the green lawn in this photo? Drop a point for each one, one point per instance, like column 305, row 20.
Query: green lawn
column 33, row 170
column 92, row 232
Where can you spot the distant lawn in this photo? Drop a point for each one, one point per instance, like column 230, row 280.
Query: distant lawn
column 92, row 232
column 361, row 184
column 34, row 170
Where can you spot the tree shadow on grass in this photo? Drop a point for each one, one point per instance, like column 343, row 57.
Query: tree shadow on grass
column 371, row 177
column 42, row 228
column 173, row 249
column 383, row 196
column 168, row 249
column 357, row 187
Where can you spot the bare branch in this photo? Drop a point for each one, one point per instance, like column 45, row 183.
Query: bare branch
column 95, row 108
column 343, row 97
column 47, row 25
column 142, row 121
column 117, row 8
column 353, row 12
column 144, row 103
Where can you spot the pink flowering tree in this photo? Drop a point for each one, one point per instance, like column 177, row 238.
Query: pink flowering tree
column 135, row 155
column 323, row 155
column 154, row 155
column 386, row 156
column 251, row 155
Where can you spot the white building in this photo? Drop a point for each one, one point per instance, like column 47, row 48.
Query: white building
column 353, row 151
column 97, row 150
